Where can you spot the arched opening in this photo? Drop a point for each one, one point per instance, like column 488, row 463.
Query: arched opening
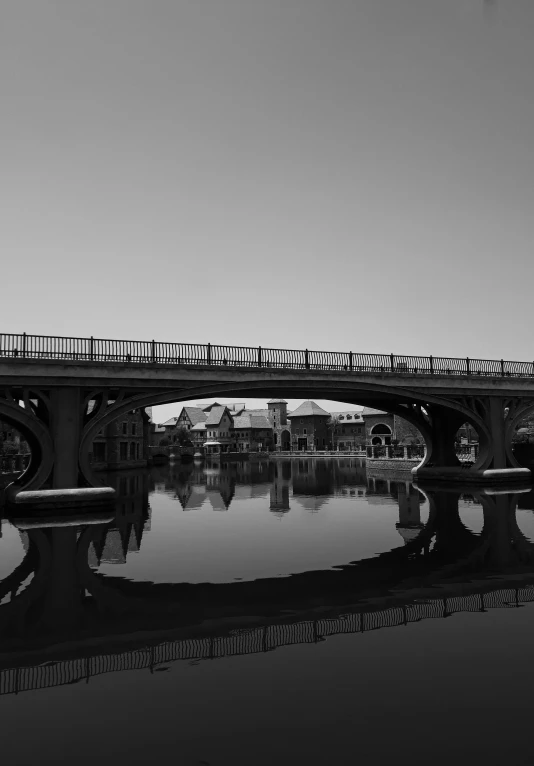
column 467, row 444
column 381, row 434
column 15, row 454
column 286, row 440
column 523, row 441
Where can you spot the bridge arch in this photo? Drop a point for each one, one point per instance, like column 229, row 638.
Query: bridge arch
column 39, row 440
column 407, row 405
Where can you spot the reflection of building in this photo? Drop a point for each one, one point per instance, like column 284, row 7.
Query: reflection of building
column 279, row 490
column 313, row 482
column 409, row 500
column 384, row 428
column 309, row 427
column 112, row 544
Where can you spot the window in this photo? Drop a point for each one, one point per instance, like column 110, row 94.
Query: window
column 342, row 417
column 138, row 452
column 134, row 428
column 301, row 420
column 132, row 451
column 125, row 428
column 304, row 431
column 349, row 417
column 123, row 450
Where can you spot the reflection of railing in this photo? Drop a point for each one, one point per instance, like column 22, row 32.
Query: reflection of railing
column 14, row 463
column 254, row 640
column 41, row 347
column 395, row 452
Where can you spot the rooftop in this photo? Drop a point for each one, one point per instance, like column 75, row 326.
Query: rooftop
column 309, row 409
column 215, row 415
column 195, row 414
column 371, row 411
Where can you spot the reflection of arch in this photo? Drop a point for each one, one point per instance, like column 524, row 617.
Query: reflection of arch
column 381, row 428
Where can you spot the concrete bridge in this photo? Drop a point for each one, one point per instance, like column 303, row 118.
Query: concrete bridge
column 60, row 392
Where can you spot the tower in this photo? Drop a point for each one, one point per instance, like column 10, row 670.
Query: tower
column 278, row 412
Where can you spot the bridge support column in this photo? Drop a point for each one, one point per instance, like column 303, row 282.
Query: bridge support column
column 491, row 418
column 65, row 426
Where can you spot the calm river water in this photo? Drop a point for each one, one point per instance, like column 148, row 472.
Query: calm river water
column 286, row 612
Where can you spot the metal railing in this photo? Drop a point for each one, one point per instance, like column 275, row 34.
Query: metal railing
column 47, row 347
column 395, row 452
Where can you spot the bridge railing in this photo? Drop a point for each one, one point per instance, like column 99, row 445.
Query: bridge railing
column 41, row 347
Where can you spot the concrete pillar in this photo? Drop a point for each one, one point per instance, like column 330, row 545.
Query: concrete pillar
column 497, row 432
column 65, row 427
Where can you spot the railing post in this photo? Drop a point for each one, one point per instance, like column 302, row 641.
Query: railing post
column 431, row 358
column 209, row 353
column 307, row 362
column 502, row 367
column 153, row 350
column 91, row 348
column 259, row 356
column 392, row 358
column 467, row 364
column 350, row 361
column 23, row 344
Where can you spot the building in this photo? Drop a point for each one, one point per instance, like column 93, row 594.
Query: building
column 252, row 433
column 385, row 428
column 309, row 427
column 219, row 431
column 123, row 443
column 347, row 431
column 189, row 417
column 11, row 441
column 281, row 428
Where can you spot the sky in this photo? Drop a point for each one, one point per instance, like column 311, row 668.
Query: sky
column 325, row 174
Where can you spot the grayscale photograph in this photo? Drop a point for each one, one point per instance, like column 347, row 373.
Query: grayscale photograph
column 266, row 382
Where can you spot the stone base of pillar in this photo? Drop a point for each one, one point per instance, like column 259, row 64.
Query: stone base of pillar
column 59, row 502
column 457, row 474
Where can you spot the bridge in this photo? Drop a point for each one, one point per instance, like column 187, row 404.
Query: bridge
column 61, row 391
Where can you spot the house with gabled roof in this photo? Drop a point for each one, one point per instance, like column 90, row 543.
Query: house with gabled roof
column 219, row 430
column 190, row 416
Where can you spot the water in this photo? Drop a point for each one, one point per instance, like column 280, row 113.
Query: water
column 257, row 613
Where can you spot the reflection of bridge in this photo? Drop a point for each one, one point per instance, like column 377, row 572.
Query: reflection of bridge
column 254, row 640
column 60, row 392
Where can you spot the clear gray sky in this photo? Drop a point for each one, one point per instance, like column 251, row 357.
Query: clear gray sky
column 337, row 174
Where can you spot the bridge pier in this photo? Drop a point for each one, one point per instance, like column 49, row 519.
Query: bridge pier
column 494, row 419
column 53, row 423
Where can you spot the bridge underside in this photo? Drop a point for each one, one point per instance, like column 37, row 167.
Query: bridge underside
column 60, row 408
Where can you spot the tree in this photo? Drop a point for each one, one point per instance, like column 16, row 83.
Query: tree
column 182, row 436
column 333, row 428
